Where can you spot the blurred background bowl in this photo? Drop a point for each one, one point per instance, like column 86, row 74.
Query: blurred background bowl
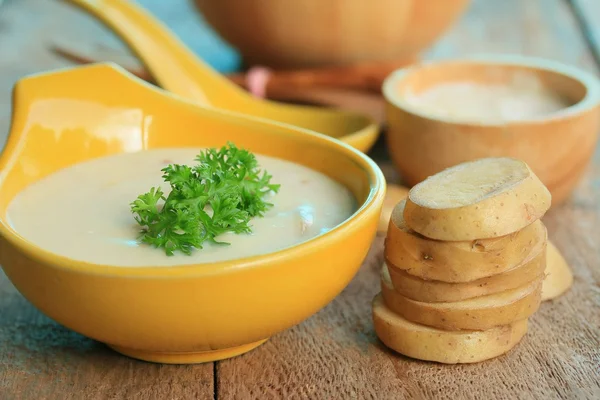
column 557, row 147
column 311, row 33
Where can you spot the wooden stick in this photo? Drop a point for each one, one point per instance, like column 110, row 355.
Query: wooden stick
column 119, row 58
column 307, row 86
column 361, row 76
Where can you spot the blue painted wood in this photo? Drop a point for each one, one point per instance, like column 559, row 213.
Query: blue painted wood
column 182, row 17
column 588, row 12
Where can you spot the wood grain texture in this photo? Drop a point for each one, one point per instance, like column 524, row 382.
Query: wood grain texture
column 334, row 354
column 539, row 28
column 587, row 12
column 40, row 359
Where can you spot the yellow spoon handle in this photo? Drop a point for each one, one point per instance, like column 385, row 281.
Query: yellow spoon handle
column 174, row 66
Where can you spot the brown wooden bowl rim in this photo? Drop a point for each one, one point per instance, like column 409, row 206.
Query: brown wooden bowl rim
column 588, row 80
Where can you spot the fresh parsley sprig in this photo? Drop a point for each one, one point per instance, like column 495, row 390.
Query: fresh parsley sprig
column 220, row 194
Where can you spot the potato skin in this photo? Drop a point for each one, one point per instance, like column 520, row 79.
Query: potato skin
column 476, row 314
column 559, row 277
column 393, row 195
column 432, row 291
column 462, row 261
column 430, row 344
column 507, row 211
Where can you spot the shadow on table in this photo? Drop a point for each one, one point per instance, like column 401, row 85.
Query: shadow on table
column 40, row 359
column 33, row 343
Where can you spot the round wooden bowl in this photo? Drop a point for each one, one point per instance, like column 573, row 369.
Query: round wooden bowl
column 557, row 147
column 291, row 34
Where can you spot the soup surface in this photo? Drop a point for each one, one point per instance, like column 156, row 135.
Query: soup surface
column 82, row 212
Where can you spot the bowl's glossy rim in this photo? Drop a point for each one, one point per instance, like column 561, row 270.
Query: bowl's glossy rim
column 588, row 80
column 374, row 199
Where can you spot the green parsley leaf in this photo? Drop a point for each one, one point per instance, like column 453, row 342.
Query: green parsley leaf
column 220, row 194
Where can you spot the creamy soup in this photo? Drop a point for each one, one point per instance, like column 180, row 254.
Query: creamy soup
column 82, row 212
column 520, row 100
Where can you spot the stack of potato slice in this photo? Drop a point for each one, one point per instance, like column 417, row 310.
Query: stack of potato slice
column 465, row 258
column 393, row 194
column 559, row 277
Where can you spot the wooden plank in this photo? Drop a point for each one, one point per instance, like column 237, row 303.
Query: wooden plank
column 588, row 13
column 335, row 354
column 538, row 28
column 39, row 359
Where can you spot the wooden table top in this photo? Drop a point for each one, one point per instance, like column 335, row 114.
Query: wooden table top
column 335, row 354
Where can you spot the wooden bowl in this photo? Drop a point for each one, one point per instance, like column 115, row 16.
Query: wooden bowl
column 290, row 34
column 187, row 313
column 557, row 147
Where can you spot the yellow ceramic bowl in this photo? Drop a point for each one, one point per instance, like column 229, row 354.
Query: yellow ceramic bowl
column 557, row 147
column 183, row 314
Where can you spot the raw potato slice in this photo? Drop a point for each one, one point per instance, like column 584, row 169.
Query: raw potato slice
column 436, row 291
column 425, row 343
column 481, row 199
column 457, row 261
column 393, row 195
column 476, row 314
column 559, row 277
